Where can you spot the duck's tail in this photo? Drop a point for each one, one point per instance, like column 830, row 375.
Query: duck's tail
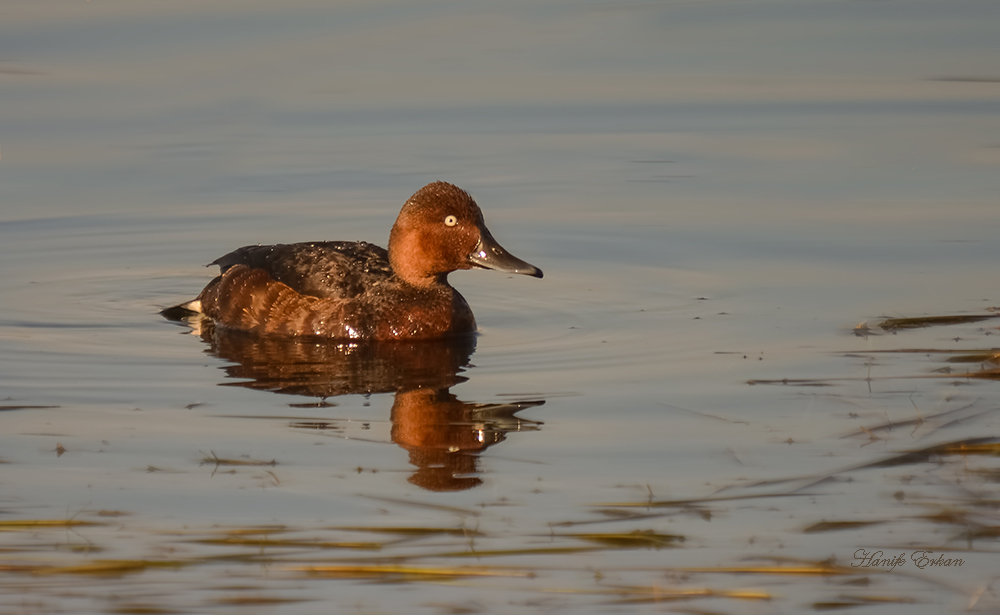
column 182, row 311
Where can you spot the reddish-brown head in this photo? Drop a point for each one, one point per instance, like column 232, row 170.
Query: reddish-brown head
column 441, row 229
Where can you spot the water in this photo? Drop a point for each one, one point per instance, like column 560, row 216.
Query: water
column 717, row 192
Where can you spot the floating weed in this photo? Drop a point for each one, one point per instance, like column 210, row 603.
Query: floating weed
column 7, row 408
column 696, row 501
column 245, row 558
column 256, row 531
column 524, row 551
column 614, row 515
column 926, row 351
column 980, row 357
column 949, row 517
column 802, row 382
column 110, row 568
column 257, row 600
column 819, row 568
column 656, row 593
column 80, row 548
column 316, row 425
column 978, row 446
column 982, row 532
column 18, row 525
column 972, row 446
column 413, row 531
column 630, row 540
column 642, row 594
column 265, row 543
column 140, row 609
column 986, row 374
column 897, row 324
column 391, row 572
column 987, row 358
column 846, row 602
column 218, row 461
column 836, row 526
column 315, row 404
column 939, row 420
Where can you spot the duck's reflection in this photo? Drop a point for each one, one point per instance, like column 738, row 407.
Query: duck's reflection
column 443, row 435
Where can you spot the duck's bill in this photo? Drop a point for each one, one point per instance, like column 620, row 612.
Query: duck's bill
column 488, row 254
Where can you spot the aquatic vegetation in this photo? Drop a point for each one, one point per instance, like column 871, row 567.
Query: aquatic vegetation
column 898, row 324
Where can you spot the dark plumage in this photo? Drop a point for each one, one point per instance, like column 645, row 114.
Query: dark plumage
column 327, row 269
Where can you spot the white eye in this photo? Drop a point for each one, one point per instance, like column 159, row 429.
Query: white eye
column 450, row 221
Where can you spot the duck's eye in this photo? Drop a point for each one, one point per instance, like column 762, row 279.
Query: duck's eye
column 450, row 221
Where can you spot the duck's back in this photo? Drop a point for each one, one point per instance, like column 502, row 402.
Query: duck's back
column 328, row 269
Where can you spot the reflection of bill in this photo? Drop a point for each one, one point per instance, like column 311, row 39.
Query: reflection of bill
column 443, row 435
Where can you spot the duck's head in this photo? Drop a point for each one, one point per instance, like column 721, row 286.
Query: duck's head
column 441, row 229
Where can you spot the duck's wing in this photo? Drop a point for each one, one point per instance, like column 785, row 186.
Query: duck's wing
column 329, row 269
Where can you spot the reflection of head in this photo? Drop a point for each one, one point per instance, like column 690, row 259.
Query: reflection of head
column 436, row 419
column 440, row 433
column 445, row 436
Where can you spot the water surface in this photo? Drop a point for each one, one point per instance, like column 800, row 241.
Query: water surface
column 718, row 192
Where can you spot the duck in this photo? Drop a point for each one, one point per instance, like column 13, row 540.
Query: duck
column 343, row 290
